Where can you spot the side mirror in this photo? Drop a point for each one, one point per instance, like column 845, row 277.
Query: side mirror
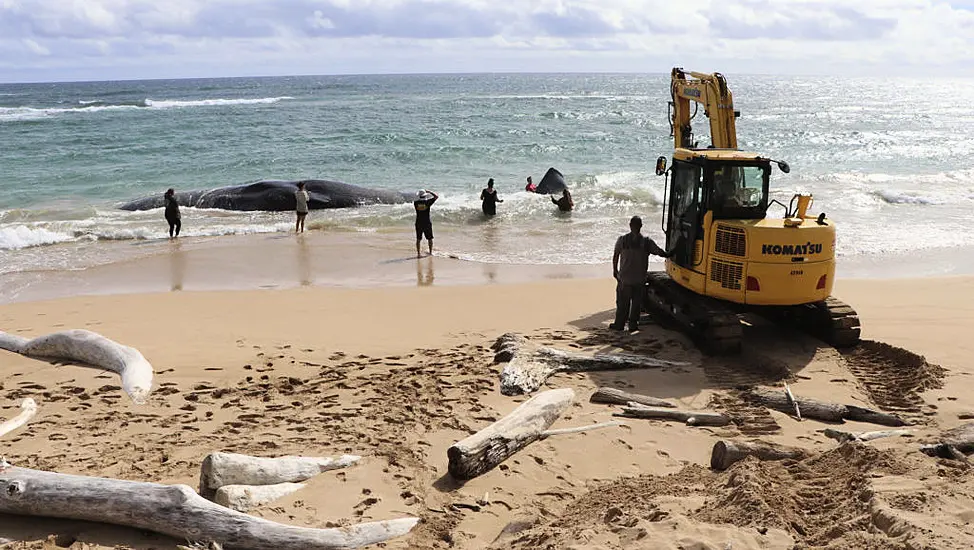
column 660, row 166
column 783, row 166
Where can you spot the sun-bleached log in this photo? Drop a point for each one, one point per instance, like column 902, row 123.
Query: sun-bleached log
column 691, row 418
column 243, row 498
column 28, row 410
column 219, row 469
column 492, row 445
column 842, row 437
column 819, row 410
column 613, row 396
column 528, row 366
column 174, row 510
column 580, row 429
column 89, row 348
column 726, row 453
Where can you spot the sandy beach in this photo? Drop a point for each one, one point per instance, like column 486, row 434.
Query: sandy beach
column 398, row 374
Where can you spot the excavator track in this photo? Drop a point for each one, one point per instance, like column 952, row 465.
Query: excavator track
column 830, row 320
column 714, row 327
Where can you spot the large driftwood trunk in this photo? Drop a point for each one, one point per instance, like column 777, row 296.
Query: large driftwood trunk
column 726, row 453
column 492, row 445
column 29, row 409
column 819, row 410
column 613, row 396
column 693, row 418
column 173, row 510
column 219, row 469
column 528, row 366
column 89, row 348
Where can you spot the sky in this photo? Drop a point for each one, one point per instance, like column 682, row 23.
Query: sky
column 70, row 40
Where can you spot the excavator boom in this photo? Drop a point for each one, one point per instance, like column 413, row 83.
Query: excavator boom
column 712, row 92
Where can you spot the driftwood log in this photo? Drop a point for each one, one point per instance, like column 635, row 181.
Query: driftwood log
column 492, row 445
column 613, row 396
column 528, row 366
column 843, row 437
column 726, row 453
column 692, row 418
column 955, row 443
column 819, row 410
column 243, row 498
column 28, row 410
column 219, row 469
column 89, row 348
column 174, row 510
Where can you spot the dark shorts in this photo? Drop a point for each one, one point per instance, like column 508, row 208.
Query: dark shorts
column 173, row 220
column 302, row 214
column 425, row 229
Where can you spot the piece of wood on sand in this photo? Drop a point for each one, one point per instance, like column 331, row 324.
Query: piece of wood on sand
column 691, row 418
column 819, row 410
column 528, row 366
column 954, row 443
column 613, row 396
column 28, row 410
column 726, row 453
column 492, row 445
column 244, row 498
column 174, row 510
column 843, row 437
column 219, row 469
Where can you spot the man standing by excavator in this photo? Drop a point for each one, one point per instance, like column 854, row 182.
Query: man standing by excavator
column 630, row 262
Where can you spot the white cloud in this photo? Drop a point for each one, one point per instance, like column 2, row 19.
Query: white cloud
column 95, row 39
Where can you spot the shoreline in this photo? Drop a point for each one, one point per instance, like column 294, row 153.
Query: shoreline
column 357, row 260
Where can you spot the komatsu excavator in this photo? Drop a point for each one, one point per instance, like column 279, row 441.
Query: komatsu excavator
column 727, row 257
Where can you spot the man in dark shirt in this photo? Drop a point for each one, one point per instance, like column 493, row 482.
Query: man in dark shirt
column 424, row 226
column 630, row 262
column 172, row 213
column 565, row 202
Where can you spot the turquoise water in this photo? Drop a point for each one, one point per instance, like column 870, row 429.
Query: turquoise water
column 889, row 159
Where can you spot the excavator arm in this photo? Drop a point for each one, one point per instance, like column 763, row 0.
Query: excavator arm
column 712, row 92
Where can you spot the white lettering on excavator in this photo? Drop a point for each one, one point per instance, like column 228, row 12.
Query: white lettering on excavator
column 791, row 249
column 691, row 92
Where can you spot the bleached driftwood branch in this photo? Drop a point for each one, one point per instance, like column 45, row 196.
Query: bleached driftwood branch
column 89, row 348
column 219, row 469
column 580, row 429
column 29, row 409
column 613, row 396
column 819, row 410
column 726, row 453
column 243, row 498
column 529, row 366
column 173, row 510
column 842, row 437
column 492, row 445
column 691, row 418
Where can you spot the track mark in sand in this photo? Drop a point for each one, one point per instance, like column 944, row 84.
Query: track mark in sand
column 749, row 419
column 893, row 377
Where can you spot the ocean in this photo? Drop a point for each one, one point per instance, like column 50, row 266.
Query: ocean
column 888, row 159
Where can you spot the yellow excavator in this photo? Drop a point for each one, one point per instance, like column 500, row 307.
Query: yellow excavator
column 727, row 256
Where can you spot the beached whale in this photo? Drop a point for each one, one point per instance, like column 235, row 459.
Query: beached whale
column 553, row 183
column 275, row 196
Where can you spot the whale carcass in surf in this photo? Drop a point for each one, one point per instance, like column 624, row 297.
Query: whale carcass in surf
column 553, row 183
column 276, row 195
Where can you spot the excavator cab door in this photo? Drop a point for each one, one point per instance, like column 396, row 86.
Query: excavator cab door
column 685, row 213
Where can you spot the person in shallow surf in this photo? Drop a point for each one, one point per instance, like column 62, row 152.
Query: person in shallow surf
column 300, row 207
column 565, row 203
column 489, row 198
column 530, row 187
column 424, row 226
column 172, row 213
